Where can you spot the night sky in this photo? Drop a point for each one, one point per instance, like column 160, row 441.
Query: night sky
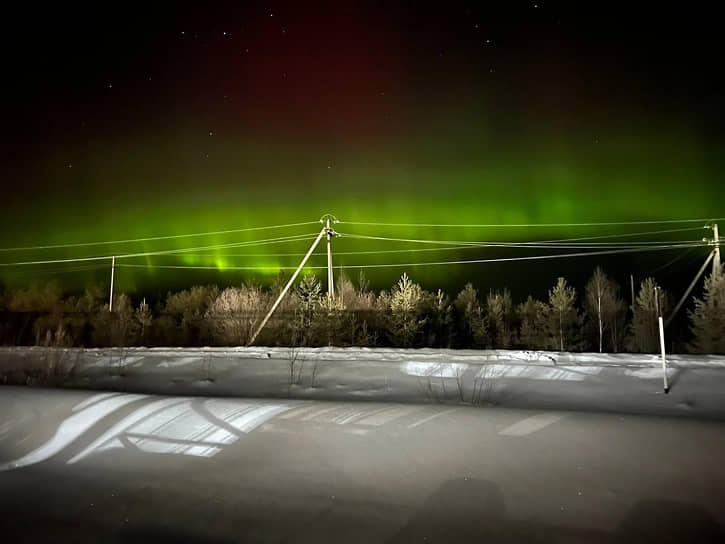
column 162, row 119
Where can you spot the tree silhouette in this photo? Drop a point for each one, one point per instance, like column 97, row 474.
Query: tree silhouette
column 708, row 318
column 645, row 326
column 563, row 319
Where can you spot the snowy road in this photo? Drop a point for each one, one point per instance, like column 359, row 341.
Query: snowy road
column 88, row 466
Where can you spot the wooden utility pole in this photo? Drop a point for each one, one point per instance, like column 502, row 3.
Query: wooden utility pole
column 113, row 272
column 716, row 241
column 714, row 256
column 330, row 280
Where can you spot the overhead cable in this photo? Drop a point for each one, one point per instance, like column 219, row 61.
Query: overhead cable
column 157, row 238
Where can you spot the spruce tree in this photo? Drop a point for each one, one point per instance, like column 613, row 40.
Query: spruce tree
column 531, row 314
column 707, row 320
column 144, row 319
column 563, row 319
column 499, row 313
column 440, row 324
column 475, row 323
column 405, row 311
column 308, row 300
column 645, row 326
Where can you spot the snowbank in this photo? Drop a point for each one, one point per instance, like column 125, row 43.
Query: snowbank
column 536, row 379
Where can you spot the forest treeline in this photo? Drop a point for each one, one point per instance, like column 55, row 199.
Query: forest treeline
column 596, row 319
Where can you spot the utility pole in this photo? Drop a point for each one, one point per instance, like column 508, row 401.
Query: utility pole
column 716, row 242
column 113, row 272
column 631, row 285
column 323, row 232
column 330, row 280
column 714, row 256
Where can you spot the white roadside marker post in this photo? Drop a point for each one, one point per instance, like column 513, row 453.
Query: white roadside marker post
column 664, row 359
column 662, row 340
column 110, row 296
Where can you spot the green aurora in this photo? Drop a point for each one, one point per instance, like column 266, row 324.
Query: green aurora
column 387, row 130
column 419, row 182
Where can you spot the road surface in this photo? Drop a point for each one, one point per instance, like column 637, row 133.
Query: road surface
column 119, row 467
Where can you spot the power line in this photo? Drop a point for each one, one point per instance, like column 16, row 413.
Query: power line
column 526, row 258
column 436, row 263
column 458, row 247
column 626, row 235
column 543, row 244
column 157, row 238
column 672, row 261
column 217, row 268
column 208, row 256
column 322, row 253
column 531, row 225
column 284, row 239
column 53, row 271
column 268, row 241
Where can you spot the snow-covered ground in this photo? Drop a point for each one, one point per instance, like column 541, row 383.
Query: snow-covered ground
column 83, row 466
column 588, row 381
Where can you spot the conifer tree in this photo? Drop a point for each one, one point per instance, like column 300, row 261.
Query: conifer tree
column 645, row 326
column 405, row 311
column 707, row 320
column 532, row 316
column 308, row 300
column 563, row 318
column 499, row 313
column 439, row 329
column 123, row 324
column 144, row 319
column 475, row 323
